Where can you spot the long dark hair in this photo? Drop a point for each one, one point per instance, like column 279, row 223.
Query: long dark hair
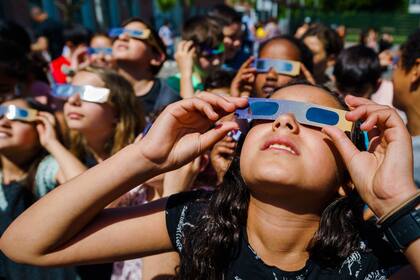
column 210, row 246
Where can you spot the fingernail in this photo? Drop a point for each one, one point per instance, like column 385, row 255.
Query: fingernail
column 219, row 125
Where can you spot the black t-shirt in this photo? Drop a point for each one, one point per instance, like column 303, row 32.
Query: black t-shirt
column 184, row 210
column 159, row 96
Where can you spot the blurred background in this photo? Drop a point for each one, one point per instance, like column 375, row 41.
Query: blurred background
column 396, row 17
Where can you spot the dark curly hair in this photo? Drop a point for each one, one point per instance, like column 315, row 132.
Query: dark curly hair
column 210, row 246
column 410, row 51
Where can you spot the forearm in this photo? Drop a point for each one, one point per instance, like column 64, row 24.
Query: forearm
column 186, row 87
column 70, row 165
column 64, row 212
column 413, row 255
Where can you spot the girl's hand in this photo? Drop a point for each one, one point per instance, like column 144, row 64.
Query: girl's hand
column 46, row 129
column 243, row 83
column 79, row 59
column 383, row 175
column 184, row 57
column 222, row 155
column 181, row 132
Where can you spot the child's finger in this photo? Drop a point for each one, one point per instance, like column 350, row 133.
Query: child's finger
column 211, row 137
column 354, row 101
column 344, row 145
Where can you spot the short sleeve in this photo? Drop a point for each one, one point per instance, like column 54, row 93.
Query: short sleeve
column 183, row 211
column 45, row 177
column 364, row 266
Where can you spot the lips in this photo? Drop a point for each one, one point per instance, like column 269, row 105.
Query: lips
column 281, row 143
column 4, row 134
column 74, row 116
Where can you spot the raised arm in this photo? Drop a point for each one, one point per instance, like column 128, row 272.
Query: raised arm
column 69, row 165
column 70, row 225
column 383, row 175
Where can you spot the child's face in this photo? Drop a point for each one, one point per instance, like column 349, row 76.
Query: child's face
column 89, row 117
column 285, row 157
column 102, row 60
column 17, row 135
column 126, row 48
column 209, row 63
column 267, row 83
column 402, row 83
column 232, row 39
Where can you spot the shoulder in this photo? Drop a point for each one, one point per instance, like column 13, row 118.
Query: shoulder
column 45, row 176
column 183, row 211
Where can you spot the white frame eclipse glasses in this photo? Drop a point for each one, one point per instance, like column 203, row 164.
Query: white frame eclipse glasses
column 87, row 93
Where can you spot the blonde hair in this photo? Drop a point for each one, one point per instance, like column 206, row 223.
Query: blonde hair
column 129, row 115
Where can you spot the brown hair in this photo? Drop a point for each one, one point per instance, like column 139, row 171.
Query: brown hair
column 203, row 30
column 129, row 114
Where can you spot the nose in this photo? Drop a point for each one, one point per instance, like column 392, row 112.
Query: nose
column 124, row 36
column 272, row 74
column 4, row 122
column 75, row 100
column 286, row 121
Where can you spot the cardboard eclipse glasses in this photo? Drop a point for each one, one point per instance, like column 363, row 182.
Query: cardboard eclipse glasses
column 288, row 67
column 87, row 93
column 305, row 113
column 144, row 34
column 13, row 112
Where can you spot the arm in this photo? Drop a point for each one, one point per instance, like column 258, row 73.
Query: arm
column 70, row 166
column 184, row 57
column 70, row 226
column 383, row 175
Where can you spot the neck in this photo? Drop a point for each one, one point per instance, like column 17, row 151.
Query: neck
column 97, row 146
column 281, row 235
column 140, row 78
column 413, row 119
column 13, row 169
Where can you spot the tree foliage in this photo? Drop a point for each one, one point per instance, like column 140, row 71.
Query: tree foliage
column 359, row 5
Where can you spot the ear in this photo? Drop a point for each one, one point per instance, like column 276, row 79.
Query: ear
column 158, row 59
column 416, row 72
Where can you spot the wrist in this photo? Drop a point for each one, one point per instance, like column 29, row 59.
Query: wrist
column 52, row 145
column 384, row 207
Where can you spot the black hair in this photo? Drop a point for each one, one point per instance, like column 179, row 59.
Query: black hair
column 210, row 246
column 219, row 79
column 14, row 62
column 10, row 30
column 162, row 47
column 305, row 53
column 226, row 14
column 410, row 51
column 356, row 69
column 76, row 34
column 203, row 31
column 328, row 36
